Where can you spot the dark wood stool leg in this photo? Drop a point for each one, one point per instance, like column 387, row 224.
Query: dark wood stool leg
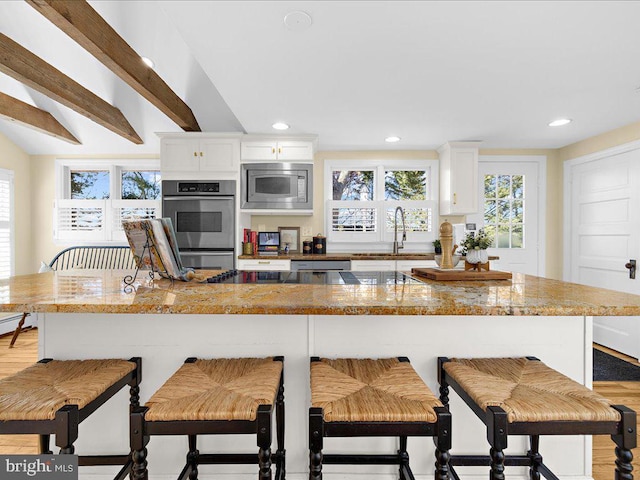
column 497, row 437
column 534, row 455
column 192, row 457
column 316, row 436
column 625, row 441
column 43, row 442
column 263, row 420
column 134, row 390
column 18, row 329
column 138, row 440
column 280, row 450
column 66, row 421
column 403, row 457
column 443, row 443
column 444, row 386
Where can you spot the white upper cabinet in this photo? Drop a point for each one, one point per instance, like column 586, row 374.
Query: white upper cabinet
column 458, row 178
column 271, row 150
column 184, row 154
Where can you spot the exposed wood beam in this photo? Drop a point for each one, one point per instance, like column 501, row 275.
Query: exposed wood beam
column 82, row 23
column 24, row 66
column 30, row 116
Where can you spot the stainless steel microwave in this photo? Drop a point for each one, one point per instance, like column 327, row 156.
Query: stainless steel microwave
column 277, row 186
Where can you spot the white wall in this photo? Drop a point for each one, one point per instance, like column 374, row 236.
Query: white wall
column 13, row 158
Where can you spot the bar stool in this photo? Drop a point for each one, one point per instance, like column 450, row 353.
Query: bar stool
column 55, row 396
column 217, row 396
column 374, row 398
column 523, row 396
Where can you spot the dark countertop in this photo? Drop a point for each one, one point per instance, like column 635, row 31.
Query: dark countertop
column 345, row 256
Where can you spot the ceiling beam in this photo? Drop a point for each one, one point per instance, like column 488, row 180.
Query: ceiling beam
column 24, row 66
column 82, row 23
column 30, row 116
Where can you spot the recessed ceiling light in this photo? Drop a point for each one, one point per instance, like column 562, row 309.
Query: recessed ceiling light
column 560, row 122
column 297, row 21
column 392, row 139
column 148, row 62
column 280, row 126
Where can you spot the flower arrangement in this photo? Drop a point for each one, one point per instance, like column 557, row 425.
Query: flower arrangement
column 479, row 241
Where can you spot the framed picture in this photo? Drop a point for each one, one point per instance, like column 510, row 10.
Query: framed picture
column 290, row 235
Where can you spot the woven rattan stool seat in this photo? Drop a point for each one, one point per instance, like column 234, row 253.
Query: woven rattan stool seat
column 217, row 389
column 37, row 392
column 528, row 390
column 368, row 390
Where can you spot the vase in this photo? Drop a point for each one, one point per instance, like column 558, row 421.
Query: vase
column 477, row 256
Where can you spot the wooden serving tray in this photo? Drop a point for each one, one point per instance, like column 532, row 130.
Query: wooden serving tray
column 446, row 275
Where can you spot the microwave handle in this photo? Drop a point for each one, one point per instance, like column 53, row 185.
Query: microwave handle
column 199, row 197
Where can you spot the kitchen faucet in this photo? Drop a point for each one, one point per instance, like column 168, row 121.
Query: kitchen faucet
column 397, row 247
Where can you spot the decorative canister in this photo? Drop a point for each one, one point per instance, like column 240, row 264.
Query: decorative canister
column 319, row 244
column 307, row 247
column 247, row 248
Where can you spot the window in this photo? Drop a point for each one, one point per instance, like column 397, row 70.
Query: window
column 363, row 197
column 504, row 197
column 95, row 197
column 6, row 225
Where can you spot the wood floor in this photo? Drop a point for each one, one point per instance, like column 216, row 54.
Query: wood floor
column 12, row 360
column 25, row 352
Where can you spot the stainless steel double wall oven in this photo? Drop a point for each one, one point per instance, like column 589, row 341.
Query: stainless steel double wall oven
column 203, row 216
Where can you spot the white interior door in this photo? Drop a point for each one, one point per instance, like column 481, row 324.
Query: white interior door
column 510, row 193
column 604, row 235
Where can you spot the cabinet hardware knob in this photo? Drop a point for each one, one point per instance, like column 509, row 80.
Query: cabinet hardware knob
column 455, row 198
column 279, row 150
column 195, row 154
column 273, row 149
column 264, row 263
column 200, row 153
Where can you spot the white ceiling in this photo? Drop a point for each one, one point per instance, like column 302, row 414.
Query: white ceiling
column 427, row 71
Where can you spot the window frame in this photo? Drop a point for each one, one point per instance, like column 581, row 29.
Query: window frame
column 110, row 233
column 381, row 240
column 9, row 177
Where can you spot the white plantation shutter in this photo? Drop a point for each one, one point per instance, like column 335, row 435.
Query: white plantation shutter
column 6, row 224
column 82, row 220
column 99, row 221
column 128, row 210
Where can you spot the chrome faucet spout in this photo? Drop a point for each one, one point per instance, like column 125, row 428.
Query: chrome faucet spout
column 397, row 246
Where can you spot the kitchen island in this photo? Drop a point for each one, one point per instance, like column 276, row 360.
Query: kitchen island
column 90, row 314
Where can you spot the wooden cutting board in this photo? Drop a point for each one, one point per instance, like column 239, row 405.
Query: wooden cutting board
column 447, row 275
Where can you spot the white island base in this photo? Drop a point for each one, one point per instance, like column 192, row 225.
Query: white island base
column 164, row 341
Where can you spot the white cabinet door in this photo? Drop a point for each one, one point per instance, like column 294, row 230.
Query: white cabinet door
column 219, row 155
column 179, row 154
column 373, row 265
column 259, row 150
column 294, row 150
column 284, row 150
column 458, row 179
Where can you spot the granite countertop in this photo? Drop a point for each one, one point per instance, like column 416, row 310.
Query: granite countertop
column 103, row 291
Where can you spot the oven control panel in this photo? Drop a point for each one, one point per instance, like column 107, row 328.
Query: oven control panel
column 198, row 187
column 195, row 187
